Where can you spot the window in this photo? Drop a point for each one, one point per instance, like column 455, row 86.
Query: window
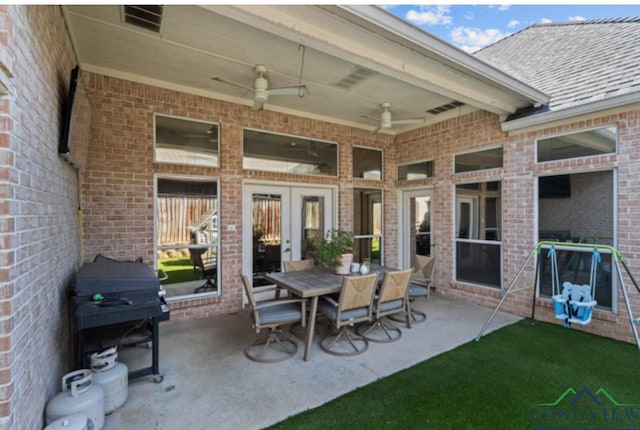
column 185, row 141
column 479, row 160
column 415, row 171
column 367, row 225
column 583, row 213
column 583, row 144
column 478, row 233
column 288, row 154
column 186, row 225
column 367, row 163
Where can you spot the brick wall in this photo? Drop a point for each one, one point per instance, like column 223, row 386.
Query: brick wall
column 117, row 187
column 38, row 221
column 519, row 173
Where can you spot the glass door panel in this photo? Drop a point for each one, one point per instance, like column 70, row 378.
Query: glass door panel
column 418, row 222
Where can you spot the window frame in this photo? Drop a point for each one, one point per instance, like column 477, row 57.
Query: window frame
column 220, row 233
column 410, row 163
column 186, row 119
column 294, row 136
column 571, row 132
column 381, row 151
column 477, row 151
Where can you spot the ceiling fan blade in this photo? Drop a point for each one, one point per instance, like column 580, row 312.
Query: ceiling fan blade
column 408, row 121
column 258, row 104
column 289, row 91
column 224, row 81
column 377, row 129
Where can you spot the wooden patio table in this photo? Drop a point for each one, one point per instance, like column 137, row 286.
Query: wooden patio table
column 312, row 285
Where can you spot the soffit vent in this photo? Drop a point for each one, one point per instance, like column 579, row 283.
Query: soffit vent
column 356, row 76
column 444, row 108
column 148, row 17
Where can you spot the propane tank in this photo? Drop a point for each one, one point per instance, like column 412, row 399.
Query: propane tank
column 78, row 396
column 112, row 376
column 71, row 422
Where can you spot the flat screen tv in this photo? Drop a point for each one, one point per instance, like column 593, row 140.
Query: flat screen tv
column 554, row 187
column 76, row 123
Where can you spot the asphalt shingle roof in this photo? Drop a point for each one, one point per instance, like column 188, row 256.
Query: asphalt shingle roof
column 574, row 62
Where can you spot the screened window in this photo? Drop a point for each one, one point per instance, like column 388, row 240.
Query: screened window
column 583, row 144
column 288, row 154
column 479, row 233
column 367, row 225
column 187, row 235
column 415, row 171
column 185, row 141
column 367, row 163
column 479, row 160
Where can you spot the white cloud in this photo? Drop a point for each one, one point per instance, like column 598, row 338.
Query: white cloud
column 577, row 18
column 546, row 21
column 429, row 15
column 513, row 23
column 501, row 7
column 469, row 16
column 472, row 39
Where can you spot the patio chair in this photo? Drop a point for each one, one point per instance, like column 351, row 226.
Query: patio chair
column 419, row 287
column 298, row 265
column 354, row 305
column 205, row 267
column 272, row 314
column 390, row 300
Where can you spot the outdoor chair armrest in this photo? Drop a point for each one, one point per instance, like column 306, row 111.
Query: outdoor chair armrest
column 330, row 300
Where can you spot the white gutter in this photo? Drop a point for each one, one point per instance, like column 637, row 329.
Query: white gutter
column 432, row 46
column 570, row 112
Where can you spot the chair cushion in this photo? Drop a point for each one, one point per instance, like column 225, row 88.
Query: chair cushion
column 418, row 290
column 389, row 306
column 332, row 311
column 285, row 312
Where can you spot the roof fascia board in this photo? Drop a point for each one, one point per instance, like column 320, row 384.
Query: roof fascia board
column 336, row 36
column 434, row 47
column 575, row 111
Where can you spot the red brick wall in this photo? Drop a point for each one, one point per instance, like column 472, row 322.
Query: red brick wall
column 38, row 205
column 118, row 184
column 442, row 141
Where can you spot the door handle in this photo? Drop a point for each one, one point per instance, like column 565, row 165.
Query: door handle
column 287, row 250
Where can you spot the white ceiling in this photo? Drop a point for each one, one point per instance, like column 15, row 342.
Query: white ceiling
column 410, row 69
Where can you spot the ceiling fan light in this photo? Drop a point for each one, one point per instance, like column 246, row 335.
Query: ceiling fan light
column 385, row 119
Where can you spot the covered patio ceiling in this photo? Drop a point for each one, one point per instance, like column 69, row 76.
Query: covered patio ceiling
column 351, row 58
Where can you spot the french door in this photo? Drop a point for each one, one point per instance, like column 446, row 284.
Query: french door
column 417, row 222
column 279, row 222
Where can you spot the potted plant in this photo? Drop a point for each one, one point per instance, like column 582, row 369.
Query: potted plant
column 335, row 250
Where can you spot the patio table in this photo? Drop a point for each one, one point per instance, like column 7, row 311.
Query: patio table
column 312, row 285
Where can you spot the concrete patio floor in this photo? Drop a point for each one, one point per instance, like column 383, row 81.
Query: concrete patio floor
column 209, row 383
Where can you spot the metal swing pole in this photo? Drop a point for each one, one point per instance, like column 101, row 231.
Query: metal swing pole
column 617, row 260
column 504, row 296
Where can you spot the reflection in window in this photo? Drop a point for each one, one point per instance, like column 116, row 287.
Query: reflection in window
column 583, row 144
column 187, row 235
column 415, row 171
column 478, row 233
column 312, row 222
column 367, row 163
column 367, row 225
column 185, row 141
column 479, row 160
column 288, row 154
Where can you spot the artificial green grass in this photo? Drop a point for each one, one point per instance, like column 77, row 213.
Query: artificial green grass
column 498, row 382
column 179, row 269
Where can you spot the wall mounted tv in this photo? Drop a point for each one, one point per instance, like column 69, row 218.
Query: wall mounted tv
column 550, row 187
column 76, row 123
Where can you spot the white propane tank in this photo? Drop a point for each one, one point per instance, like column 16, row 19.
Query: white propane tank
column 112, row 376
column 78, row 396
column 71, row 422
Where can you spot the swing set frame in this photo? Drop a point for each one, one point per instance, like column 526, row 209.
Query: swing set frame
column 617, row 261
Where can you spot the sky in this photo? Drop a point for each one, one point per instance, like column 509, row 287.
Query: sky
column 471, row 27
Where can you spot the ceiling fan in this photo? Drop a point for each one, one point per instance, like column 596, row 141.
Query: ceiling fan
column 386, row 121
column 261, row 90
